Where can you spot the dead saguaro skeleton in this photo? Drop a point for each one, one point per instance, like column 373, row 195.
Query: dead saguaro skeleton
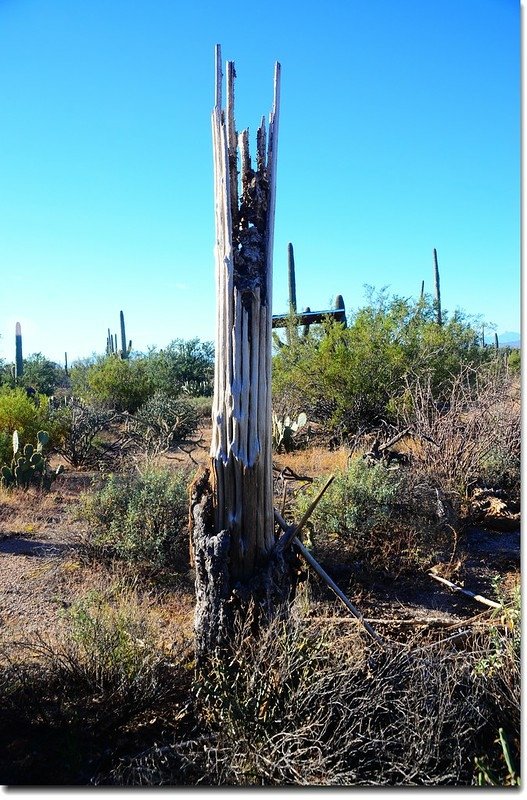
column 232, row 519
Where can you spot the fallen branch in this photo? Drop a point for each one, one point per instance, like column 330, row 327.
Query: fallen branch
column 395, row 439
column 290, row 531
column 467, row 592
column 437, row 622
column 433, row 621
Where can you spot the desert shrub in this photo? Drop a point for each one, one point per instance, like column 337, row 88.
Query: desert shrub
column 43, row 375
column 302, row 706
column 82, row 425
column 202, row 407
column 348, row 377
column 514, row 362
column 473, row 435
column 377, row 516
column 27, row 415
column 112, row 382
column 88, row 690
column 182, row 366
column 162, row 422
column 140, row 517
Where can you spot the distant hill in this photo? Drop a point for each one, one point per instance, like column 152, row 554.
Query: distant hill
column 509, row 339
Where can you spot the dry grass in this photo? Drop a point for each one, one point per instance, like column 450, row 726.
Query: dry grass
column 313, row 461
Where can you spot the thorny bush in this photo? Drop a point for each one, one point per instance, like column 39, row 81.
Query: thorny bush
column 473, row 435
column 140, row 516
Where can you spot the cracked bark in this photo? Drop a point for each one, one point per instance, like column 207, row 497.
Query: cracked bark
column 232, row 516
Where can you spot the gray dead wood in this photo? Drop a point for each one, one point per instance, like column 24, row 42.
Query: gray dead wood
column 232, row 515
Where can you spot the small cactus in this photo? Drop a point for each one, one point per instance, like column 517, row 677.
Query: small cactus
column 285, row 429
column 31, row 466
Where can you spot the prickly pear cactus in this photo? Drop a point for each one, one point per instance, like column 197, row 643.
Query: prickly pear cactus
column 30, row 468
column 284, row 431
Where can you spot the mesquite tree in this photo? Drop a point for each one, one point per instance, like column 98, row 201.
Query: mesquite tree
column 238, row 566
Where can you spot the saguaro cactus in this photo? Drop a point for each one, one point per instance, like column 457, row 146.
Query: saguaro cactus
column 439, row 318
column 291, row 331
column 292, row 279
column 125, row 348
column 111, row 342
column 232, row 502
column 19, row 361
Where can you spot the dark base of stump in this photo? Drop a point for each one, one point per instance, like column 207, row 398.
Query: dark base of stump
column 224, row 604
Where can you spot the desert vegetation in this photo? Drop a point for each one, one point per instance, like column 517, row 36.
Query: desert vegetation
column 417, row 424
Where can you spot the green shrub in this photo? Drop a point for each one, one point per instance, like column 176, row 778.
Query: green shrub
column 203, row 408
column 182, row 366
column 348, row 377
column 140, row 517
column 377, row 516
column 43, row 375
column 514, row 362
column 120, row 384
column 27, row 416
column 357, row 501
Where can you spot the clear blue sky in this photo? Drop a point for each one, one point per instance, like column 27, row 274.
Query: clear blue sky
column 399, row 132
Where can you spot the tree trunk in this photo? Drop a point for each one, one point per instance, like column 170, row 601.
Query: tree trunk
column 232, row 503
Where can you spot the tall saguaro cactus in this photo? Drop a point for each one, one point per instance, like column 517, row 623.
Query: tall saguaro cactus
column 292, row 332
column 124, row 349
column 232, row 502
column 292, row 279
column 439, row 318
column 19, row 361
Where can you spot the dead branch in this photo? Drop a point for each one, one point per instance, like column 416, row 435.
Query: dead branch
column 324, row 575
column 290, row 531
column 467, row 592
